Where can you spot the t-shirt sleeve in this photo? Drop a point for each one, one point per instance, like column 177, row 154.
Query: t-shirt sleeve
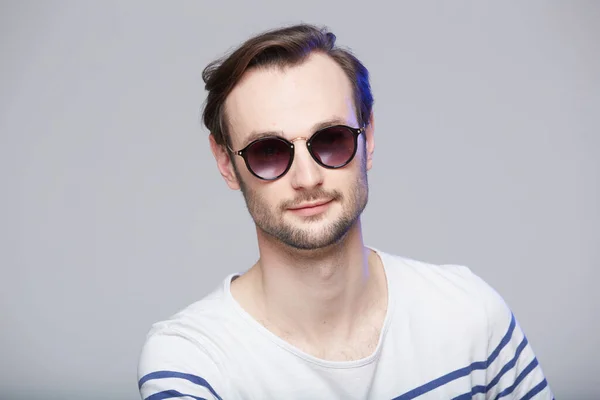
column 512, row 369
column 172, row 365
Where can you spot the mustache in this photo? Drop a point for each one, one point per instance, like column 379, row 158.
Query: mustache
column 316, row 194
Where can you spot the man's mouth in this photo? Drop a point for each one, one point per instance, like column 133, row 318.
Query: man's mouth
column 312, row 208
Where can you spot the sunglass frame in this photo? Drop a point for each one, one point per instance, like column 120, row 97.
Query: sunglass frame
column 244, row 152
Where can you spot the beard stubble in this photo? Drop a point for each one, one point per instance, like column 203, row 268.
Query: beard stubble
column 270, row 220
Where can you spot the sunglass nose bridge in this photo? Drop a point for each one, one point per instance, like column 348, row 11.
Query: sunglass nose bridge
column 299, row 138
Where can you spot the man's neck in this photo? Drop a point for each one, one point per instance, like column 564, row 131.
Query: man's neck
column 314, row 298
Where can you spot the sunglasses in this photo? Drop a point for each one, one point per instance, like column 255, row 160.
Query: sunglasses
column 269, row 158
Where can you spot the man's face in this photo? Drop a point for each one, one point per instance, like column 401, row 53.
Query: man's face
column 292, row 102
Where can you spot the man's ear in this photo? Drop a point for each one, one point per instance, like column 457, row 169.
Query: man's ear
column 224, row 163
column 370, row 141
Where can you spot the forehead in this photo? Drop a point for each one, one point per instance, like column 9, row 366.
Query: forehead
column 290, row 100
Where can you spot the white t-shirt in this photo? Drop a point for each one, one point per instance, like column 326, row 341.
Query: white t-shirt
column 446, row 335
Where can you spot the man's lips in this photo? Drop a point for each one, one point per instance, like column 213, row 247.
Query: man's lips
column 310, row 205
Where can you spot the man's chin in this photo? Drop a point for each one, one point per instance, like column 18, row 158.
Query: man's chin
column 308, row 233
column 314, row 239
column 309, row 247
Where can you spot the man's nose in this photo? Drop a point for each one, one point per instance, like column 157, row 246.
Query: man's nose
column 305, row 171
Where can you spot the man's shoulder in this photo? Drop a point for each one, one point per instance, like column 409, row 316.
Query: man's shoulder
column 416, row 271
column 181, row 355
column 447, row 310
column 197, row 320
column 439, row 285
column 187, row 347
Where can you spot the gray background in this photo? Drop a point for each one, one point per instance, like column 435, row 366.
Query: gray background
column 113, row 214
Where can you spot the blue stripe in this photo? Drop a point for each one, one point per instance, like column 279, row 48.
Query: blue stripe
column 169, row 394
column 509, row 365
column 466, row 396
column 469, row 395
column 172, row 374
column 521, row 376
column 504, row 341
column 538, row 388
column 474, row 390
column 434, row 384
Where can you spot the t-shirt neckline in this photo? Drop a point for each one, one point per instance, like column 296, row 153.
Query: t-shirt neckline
column 302, row 354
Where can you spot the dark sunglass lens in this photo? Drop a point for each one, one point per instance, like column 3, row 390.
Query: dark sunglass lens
column 268, row 158
column 333, row 146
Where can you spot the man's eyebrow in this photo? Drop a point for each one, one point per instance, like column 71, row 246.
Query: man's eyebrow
column 330, row 122
column 255, row 135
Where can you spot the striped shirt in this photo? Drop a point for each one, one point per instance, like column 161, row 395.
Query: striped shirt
column 446, row 335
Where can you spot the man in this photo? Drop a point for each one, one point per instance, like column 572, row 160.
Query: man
column 320, row 315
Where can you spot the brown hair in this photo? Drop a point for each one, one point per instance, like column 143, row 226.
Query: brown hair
column 280, row 48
